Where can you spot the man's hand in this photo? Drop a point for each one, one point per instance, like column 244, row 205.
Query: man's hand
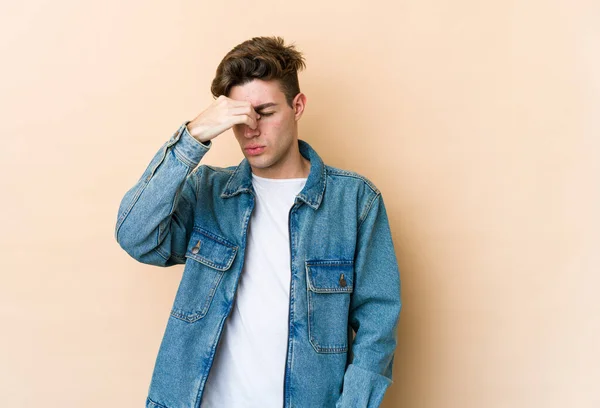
column 221, row 115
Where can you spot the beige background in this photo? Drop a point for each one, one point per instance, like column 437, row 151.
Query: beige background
column 479, row 121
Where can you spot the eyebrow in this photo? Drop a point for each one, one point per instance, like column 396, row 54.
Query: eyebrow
column 264, row 106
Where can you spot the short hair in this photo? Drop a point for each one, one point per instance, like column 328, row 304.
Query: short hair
column 263, row 58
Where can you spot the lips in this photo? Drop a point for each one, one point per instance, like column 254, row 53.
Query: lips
column 254, row 149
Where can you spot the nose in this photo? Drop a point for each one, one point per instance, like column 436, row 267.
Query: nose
column 249, row 132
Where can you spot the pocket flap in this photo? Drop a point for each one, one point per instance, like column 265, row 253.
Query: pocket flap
column 330, row 276
column 211, row 250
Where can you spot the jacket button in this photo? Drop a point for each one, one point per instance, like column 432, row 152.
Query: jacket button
column 342, row 281
column 196, row 249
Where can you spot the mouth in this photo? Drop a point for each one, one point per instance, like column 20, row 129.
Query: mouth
column 254, row 150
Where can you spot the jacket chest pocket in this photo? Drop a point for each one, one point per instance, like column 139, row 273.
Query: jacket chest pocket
column 208, row 257
column 330, row 285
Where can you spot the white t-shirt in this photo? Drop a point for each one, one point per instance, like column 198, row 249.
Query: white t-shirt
column 249, row 365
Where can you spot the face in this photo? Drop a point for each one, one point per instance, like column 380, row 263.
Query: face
column 277, row 131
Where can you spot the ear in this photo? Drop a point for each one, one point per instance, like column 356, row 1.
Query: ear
column 299, row 103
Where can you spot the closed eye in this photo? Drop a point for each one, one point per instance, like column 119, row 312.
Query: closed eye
column 266, row 114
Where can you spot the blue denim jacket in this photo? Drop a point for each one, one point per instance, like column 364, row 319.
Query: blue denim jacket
column 344, row 278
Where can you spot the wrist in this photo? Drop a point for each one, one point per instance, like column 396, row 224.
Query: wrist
column 195, row 132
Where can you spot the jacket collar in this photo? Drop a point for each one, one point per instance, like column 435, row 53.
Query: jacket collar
column 312, row 193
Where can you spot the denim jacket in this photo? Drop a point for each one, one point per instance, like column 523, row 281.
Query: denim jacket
column 344, row 275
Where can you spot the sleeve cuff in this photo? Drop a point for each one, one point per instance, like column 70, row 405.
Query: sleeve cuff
column 362, row 388
column 188, row 148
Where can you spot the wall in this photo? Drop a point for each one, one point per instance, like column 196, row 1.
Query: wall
column 479, row 122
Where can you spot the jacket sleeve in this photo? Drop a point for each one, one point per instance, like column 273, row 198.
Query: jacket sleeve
column 156, row 215
column 374, row 312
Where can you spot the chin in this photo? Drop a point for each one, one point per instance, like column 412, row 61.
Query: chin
column 257, row 162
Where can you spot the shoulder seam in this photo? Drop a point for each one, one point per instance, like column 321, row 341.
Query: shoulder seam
column 346, row 173
column 367, row 209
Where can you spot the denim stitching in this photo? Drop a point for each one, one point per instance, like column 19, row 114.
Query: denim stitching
column 318, row 348
column 183, row 159
column 155, row 404
column 192, row 317
column 310, row 289
column 366, row 211
column 222, row 241
column 326, row 263
column 347, row 173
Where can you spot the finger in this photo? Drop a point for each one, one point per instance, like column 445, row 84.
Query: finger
column 245, row 110
column 242, row 110
column 236, row 103
column 251, row 122
column 244, row 120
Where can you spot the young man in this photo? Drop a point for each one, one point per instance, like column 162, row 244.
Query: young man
column 284, row 256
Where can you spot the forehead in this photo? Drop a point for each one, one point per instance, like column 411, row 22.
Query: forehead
column 258, row 92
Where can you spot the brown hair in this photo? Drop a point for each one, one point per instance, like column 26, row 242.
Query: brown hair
column 263, row 58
